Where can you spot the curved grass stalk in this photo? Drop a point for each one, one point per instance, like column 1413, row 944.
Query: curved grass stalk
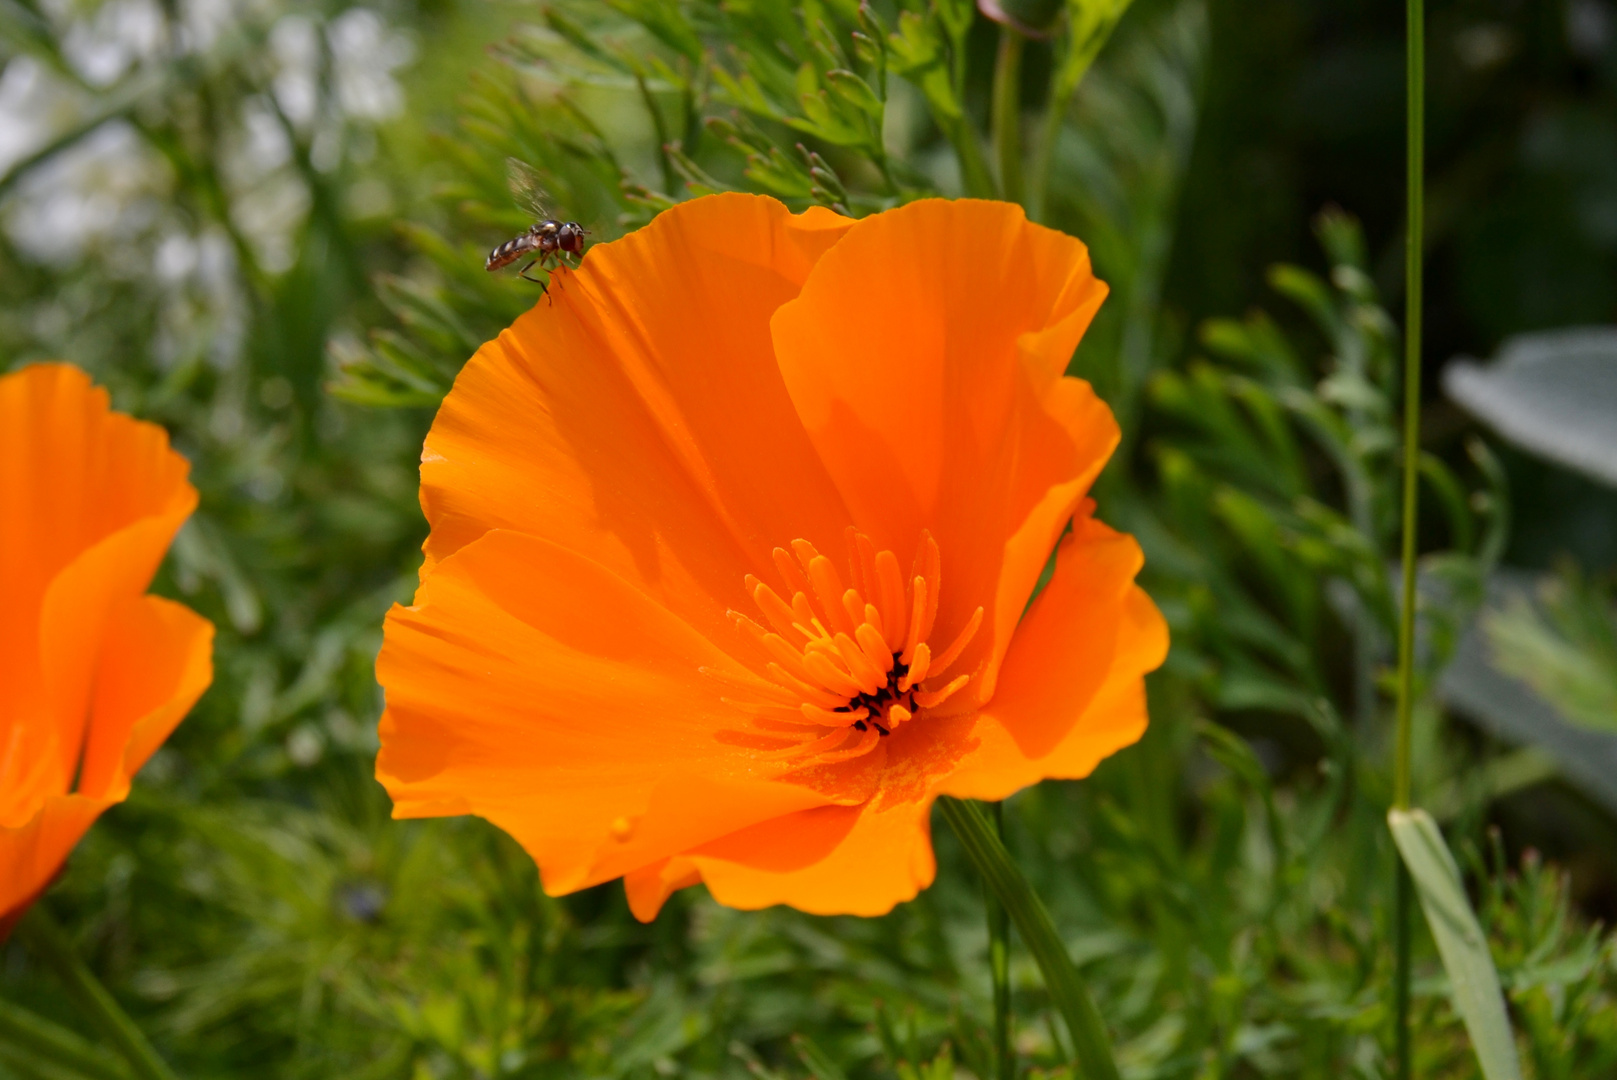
column 49, row 942
column 1092, row 1046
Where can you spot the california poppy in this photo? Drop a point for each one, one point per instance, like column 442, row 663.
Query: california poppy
column 93, row 673
column 731, row 546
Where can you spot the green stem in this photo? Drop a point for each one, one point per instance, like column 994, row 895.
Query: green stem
column 1090, row 27
column 1413, row 250
column 999, row 964
column 974, row 172
column 1092, row 1046
column 1402, row 911
column 670, row 179
column 1007, row 113
column 49, row 942
column 1412, row 357
column 1044, row 152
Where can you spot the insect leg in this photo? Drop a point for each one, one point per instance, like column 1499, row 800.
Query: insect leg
column 544, row 288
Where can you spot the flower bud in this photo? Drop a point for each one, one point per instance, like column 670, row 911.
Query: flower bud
column 1031, row 18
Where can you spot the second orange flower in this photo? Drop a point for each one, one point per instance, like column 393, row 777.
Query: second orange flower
column 94, row 673
column 732, row 548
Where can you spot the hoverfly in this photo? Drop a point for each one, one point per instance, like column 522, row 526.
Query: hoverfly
column 546, row 238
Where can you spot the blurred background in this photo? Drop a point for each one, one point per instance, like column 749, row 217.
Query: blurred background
column 262, row 224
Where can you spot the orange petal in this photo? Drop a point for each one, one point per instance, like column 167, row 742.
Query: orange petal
column 640, row 419
column 156, row 662
column 958, row 317
column 649, row 887
column 32, row 853
column 834, row 860
column 860, row 857
column 1072, row 689
column 74, row 621
column 89, row 500
column 540, row 690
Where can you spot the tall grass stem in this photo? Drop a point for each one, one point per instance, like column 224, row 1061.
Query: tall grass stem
column 1403, row 911
column 975, row 175
column 1044, row 151
column 1412, row 371
column 1415, row 126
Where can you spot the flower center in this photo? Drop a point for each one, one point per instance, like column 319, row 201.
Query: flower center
column 850, row 665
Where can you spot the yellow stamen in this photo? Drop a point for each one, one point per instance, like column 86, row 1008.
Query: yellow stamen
column 961, row 640
column 830, row 676
column 776, row 610
column 805, row 691
column 854, row 605
column 867, row 742
column 744, row 623
column 780, row 714
column 804, row 614
column 855, row 570
column 805, row 553
column 811, row 746
column 787, row 568
column 917, row 614
column 873, row 617
column 791, row 659
column 827, row 718
column 869, row 584
column 933, row 698
column 917, row 669
column 835, row 653
column 869, row 675
column 891, row 601
column 929, row 565
column 875, row 647
column 751, row 686
column 828, row 591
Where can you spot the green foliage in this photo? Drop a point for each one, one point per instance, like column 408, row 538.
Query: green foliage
column 1565, row 647
column 1223, row 887
column 1279, row 501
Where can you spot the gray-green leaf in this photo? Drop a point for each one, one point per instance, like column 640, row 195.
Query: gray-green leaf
column 1460, row 941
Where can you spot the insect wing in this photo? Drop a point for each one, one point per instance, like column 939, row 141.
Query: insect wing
column 526, row 189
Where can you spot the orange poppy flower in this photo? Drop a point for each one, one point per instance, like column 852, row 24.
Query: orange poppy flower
column 731, row 547
column 93, row 674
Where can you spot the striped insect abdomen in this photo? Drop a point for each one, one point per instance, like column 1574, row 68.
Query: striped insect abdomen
column 510, row 251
